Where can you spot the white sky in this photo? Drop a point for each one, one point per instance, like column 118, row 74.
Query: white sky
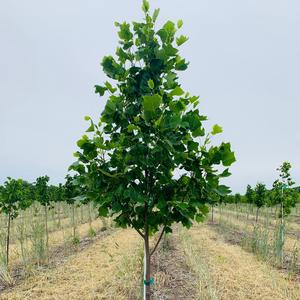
column 244, row 63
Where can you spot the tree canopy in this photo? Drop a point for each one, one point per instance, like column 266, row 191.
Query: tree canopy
column 148, row 160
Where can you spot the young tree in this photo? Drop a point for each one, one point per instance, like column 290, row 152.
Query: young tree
column 260, row 197
column 158, row 167
column 213, row 200
column 42, row 196
column 237, row 200
column 70, row 194
column 11, row 202
column 250, row 196
column 285, row 195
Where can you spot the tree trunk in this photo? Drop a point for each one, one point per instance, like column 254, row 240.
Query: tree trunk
column 90, row 217
column 73, row 221
column 248, row 208
column 256, row 219
column 46, row 227
column 146, row 267
column 59, row 220
column 275, row 210
column 81, row 214
column 7, row 240
column 212, row 213
column 282, row 233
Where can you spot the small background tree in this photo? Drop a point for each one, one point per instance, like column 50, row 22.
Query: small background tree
column 284, row 195
column 42, row 196
column 260, row 198
column 250, row 195
column 12, row 200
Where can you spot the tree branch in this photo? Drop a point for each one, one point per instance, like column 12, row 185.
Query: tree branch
column 140, row 233
column 159, row 239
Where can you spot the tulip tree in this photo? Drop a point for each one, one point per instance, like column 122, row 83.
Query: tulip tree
column 42, row 196
column 70, row 193
column 250, row 195
column 284, row 194
column 148, row 161
column 260, row 197
column 12, row 200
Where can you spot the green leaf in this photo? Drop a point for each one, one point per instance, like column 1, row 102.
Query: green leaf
column 91, row 128
column 225, row 173
column 222, row 190
column 170, row 27
column 125, row 33
column 84, row 139
column 145, row 6
column 198, row 132
column 171, row 79
column 193, row 146
column 100, row 90
column 132, row 127
column 181, row 65
column 216, row 129
column 178, row 91
column 110, row 87
column 227, row 156
column 110, row 107
column 181, row 40
column 163, row 34
column 150, row 104
column 111, row 68
column 199, row 218
column 155, row 14
column 103, row 211
column 110, row 175
column 179, row 24
column 87, row 118
column 150, row 83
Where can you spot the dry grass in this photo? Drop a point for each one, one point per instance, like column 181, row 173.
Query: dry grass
column 56, row 239
column 290, row 242
column 109, row 268
column 292, row 227
column 236, row 274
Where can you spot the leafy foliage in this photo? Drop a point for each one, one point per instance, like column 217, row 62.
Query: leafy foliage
column 13, row 197
column 283, row 192
column 148, row 162
column 260, row 195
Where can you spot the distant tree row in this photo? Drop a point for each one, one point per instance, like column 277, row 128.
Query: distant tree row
column 283, row 195
column 17, row 195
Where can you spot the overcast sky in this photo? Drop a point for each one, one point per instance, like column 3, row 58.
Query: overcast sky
column 244, row 63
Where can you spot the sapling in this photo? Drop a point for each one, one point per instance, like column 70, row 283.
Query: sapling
column 213, row 200
column 250, row 199
column 284, row 194
column 42, row 196
column 259, row 198
column 12, row 200
column 237, row 200
column 70, row 193
column 148, row 161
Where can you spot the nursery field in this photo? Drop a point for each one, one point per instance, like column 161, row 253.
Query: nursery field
column 144, row 210
column 229, row 257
